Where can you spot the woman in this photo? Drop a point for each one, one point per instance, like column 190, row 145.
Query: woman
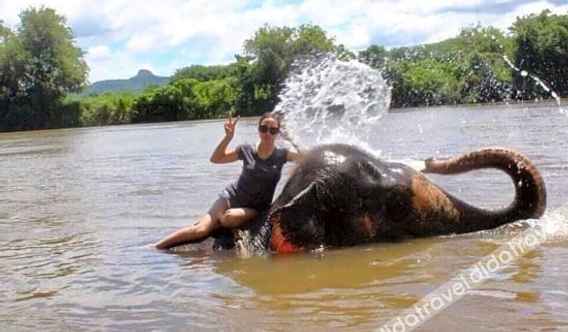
column 242, row 200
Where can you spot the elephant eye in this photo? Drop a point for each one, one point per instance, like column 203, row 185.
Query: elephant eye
column 370, row 169
column 370, row 174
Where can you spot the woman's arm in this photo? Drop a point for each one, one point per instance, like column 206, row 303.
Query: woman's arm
column 222, row 155
column 290, row 155
column 293, row 156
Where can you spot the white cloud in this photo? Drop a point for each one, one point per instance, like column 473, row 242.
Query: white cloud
column 182, row 32
column 507, row 19
column 119, row 64
column 100, row 52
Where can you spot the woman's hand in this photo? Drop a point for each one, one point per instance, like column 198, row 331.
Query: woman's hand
column 221, row 154
column 230, row 126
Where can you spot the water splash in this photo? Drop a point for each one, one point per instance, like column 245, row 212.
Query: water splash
column 552, row 227
column 555, row 224
column 537, row 80
column 326, row 100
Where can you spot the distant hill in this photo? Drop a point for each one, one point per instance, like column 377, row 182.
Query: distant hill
column 142, row 80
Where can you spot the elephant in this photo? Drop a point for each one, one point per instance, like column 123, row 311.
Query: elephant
column 339, row 195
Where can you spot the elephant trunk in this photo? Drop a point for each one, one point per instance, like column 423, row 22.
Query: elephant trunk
column 530, row 193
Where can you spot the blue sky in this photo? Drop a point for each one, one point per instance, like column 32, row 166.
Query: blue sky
column 122, row 36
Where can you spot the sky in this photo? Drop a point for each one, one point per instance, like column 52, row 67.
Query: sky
column 122, row 36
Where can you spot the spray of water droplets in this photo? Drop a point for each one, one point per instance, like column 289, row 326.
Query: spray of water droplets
column 326, row 100
column 538, row 81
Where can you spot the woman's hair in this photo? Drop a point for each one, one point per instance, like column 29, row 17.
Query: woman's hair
column 270, row 115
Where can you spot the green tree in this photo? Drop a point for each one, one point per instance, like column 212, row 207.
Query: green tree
column 173, row 102
column 274, row 49
column 541, row 48
column 375, row 56
column 425, row 82
column 204, row 73
column 465, row 69
column 343, row 53
column 54, row 67
column 4, row 31
column 484, row 73
column 99, row 110
column 13, row 73
column 214, row 98
column 486, row 40
column 245, row 102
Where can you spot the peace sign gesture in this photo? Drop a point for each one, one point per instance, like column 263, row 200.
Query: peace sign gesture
column 230, row 126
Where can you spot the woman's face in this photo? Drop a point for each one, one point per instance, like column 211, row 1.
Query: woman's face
column 270, row 128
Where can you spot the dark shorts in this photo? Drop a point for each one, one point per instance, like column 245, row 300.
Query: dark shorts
column 241, row 200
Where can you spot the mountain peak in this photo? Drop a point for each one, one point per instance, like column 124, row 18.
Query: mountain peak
column 141, row 81
column 144, row 73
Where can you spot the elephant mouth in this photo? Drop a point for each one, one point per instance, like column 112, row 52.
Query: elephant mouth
column 278, row 241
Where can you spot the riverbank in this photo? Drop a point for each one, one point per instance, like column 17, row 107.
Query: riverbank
column 509, row 105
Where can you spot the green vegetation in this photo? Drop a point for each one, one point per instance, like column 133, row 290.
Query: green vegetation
column 274, row 49
column 466, row 69
column 40, row 68
column 100, row 110
column 40, row 65
column 186, row 99
column 541, row 48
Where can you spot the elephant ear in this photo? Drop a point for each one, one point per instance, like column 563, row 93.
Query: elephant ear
column 295, row 223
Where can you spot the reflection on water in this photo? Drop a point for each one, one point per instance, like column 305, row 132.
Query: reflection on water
column 326, row 269
column 79, row 205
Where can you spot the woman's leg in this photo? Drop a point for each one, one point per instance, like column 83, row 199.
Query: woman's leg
column 236, row 217
column 198, row 231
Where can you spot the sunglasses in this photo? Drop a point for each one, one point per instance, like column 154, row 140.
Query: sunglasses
column 273, row 130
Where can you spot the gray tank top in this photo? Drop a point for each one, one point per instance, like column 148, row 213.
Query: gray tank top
column 259, row 177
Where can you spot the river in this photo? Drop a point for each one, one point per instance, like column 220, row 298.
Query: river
column 80, row 205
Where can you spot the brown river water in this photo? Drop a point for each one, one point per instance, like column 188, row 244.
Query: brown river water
column 80, row 205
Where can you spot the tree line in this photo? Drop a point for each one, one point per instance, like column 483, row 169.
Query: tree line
column 480, row 65
column 40, row 68
column 39, row 65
